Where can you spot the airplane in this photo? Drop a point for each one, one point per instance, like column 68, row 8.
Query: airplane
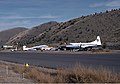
column 28, row 49
column 80, row 45
column 41, row 47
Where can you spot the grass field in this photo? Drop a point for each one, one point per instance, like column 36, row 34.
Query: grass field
column 78, row 74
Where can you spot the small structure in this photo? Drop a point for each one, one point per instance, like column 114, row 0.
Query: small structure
column 9, row 47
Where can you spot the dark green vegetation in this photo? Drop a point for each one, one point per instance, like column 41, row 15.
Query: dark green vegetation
column 82, row 29
column 78, row 74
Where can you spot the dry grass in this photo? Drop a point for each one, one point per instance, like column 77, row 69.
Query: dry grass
column 33, row 73
column 81, row 74
column 38, row 76
column 78, row 74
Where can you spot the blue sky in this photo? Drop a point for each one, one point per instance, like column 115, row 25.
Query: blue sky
column 30, row 13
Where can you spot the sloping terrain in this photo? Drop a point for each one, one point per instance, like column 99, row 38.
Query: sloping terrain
column 32, row 35
column 82, row 29
column 7, row 34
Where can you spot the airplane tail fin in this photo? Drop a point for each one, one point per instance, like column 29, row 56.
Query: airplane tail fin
column 98, row 41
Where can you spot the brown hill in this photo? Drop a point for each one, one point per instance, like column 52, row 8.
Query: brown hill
column 82, row 29
column 32, row 35
column 7, row 34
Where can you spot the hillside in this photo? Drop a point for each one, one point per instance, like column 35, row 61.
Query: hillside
column 7, row 34
column 82, row 29
column 32, row 35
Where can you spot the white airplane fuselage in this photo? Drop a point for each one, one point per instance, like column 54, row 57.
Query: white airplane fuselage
column 95, row 43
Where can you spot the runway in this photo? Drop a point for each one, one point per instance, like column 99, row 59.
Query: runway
column 63, row 60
